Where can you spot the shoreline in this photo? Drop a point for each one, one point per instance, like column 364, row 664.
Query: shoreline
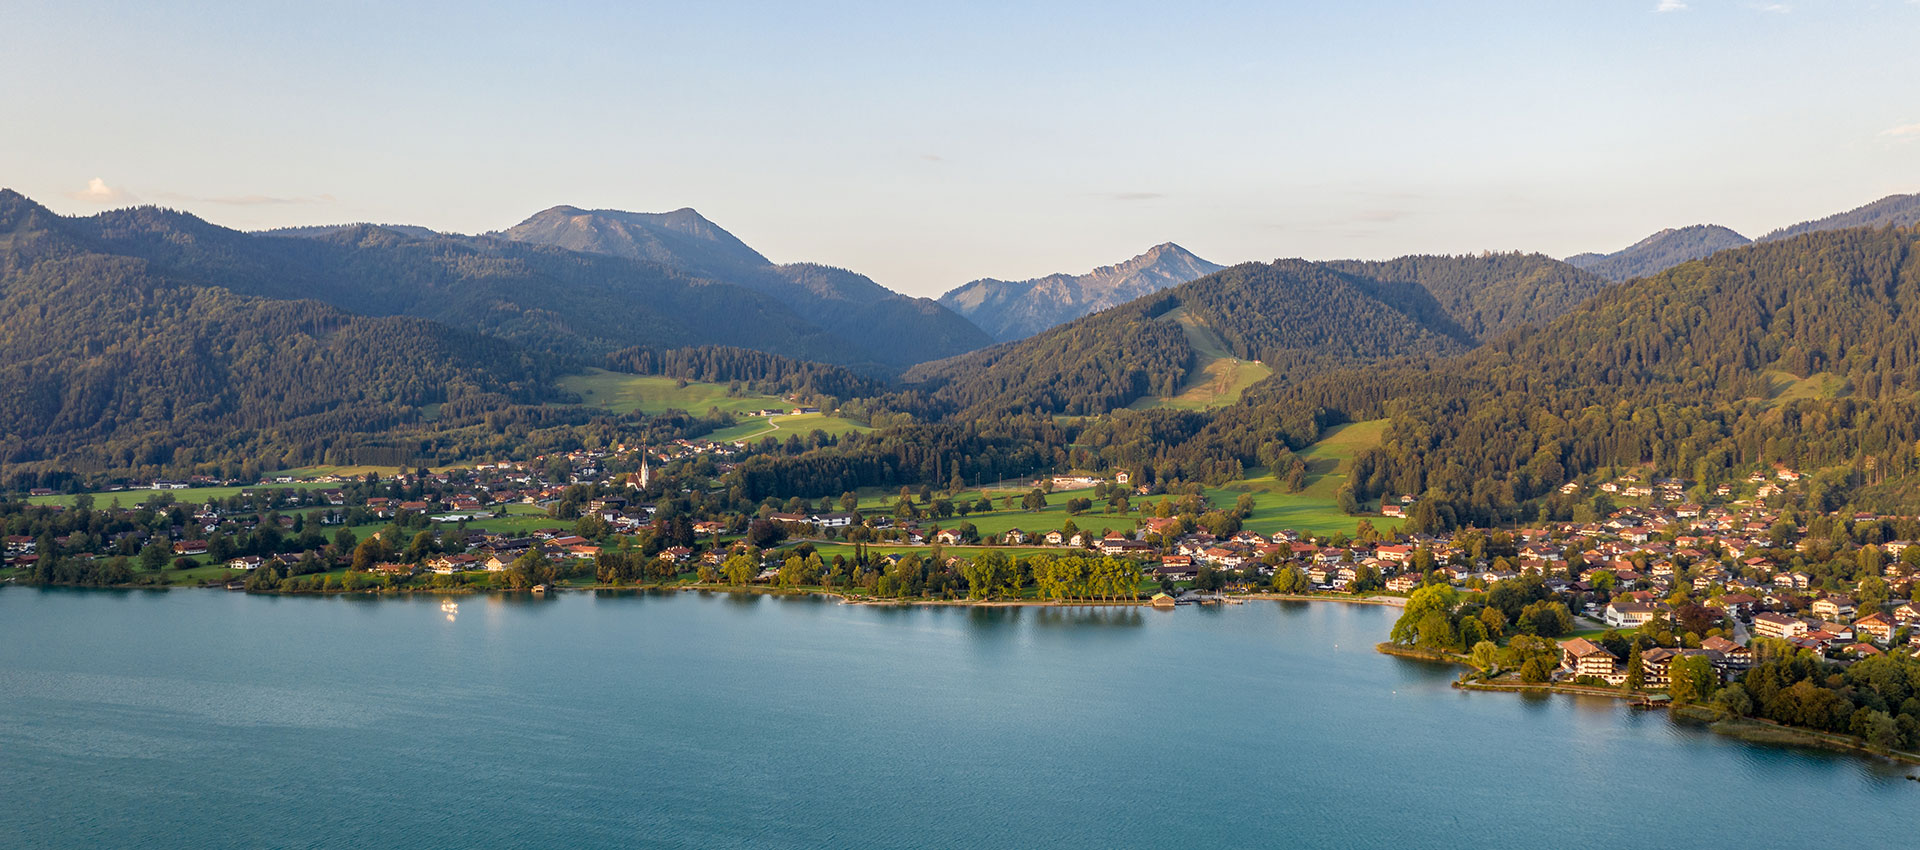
column 1751, row 730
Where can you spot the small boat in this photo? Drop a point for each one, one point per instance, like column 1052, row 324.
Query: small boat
column 539, row 588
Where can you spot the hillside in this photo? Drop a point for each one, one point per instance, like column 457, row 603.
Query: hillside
column 1660, row 252
column 883, row 325
column 1292, row 317
column 106, row 362
column 1890, row 211
column 1480, row 295
column 1803, row 352
column 1011, row 310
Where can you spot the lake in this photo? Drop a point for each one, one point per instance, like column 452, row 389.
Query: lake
column 208, row 719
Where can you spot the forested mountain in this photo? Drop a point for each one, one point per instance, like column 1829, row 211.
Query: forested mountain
column 580, row 305
column 1297, row 317
column 1660, row 252
column 106, row 361
column 891, row 328
column 1484, row 295
column 1011, row 310
column 1890, row 211
column 1804, row 352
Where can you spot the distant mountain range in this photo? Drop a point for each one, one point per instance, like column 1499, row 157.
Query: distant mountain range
column 1660, row 252
column 1011, row 310
column 1674, row 246
column 892, row 329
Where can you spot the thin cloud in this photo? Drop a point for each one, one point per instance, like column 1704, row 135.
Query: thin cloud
column 1137, row 196
column 933, row 157
column 1776, row 8
column 98, row 192
column 1902, row 133
column 1670, row 6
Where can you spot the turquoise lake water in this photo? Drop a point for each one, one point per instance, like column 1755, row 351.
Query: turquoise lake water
column 207, row 719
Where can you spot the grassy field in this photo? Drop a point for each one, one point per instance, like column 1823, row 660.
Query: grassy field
column 1312, row 510
column 192, row 496
column 623, row 393
column 1783, row 387
column 1221, row 377
column 781, row 426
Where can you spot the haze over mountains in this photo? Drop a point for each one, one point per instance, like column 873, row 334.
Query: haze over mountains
column 140, row 336
column 1674, row 246
column 1010, row 310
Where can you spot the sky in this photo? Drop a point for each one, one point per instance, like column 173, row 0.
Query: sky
column 927, row 145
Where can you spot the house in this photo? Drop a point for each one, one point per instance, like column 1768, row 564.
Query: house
column 1123, row 546
column 1876, row 624
column 1656, row 662
column 1780, row 626
column 1395, row 554
column 837, row 519
column 1392, row 511
column 190, row 547
column 1583, row 657
column 948, row 537
column 450, row 564
column 1732, row 656
column 1629, row 615
column 1056, row 538
column 248, row 562
column 1833, row 607
column 1014, row 537
column 1907, row 614
column 1404, row 583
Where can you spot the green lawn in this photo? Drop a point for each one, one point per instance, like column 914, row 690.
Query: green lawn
column 1312, row 510
column 623, row 393
column 191, row 496
column 781, row 426
column 1220, row 378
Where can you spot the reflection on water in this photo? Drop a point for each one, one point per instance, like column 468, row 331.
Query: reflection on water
column 1085, row 616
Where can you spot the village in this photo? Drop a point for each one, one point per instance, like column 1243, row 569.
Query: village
column 1836, row 586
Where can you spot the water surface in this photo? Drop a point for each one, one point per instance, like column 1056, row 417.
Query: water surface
column 202, row 719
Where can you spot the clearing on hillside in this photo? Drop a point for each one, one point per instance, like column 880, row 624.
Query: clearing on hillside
column 1314, row 509
column 1219, row 377
column 624, row 393
column 781, row 426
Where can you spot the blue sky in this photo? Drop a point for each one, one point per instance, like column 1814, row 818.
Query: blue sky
column 928, row 145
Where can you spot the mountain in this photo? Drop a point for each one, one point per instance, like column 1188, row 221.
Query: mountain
column 1294, row 317
column 1011, row 310
column 568, row 303
column 1660, row 252
column 1892, row 210
column 107, row 361
column 892, row 329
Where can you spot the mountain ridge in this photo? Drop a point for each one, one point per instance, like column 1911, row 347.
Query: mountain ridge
column 1011, row 310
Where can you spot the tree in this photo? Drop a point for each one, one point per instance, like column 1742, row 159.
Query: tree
column 762, row 534
column 1690, row 679
column 1034, row 500
column 1485, row 657
column 1636, row 671
column 740, row 569
column 1289, row 580
column 1433, row 599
